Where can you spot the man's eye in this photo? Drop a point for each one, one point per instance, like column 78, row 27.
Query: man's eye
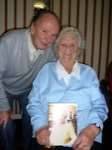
column 54, row 35
column 44, row 31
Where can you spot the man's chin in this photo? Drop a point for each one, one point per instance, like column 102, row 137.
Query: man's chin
column 44, row 47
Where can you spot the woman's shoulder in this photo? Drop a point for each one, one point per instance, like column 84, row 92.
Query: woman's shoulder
column 88, row 73
column 86, row 68
column 49, row 65
column 47, row 68
column 45, row 72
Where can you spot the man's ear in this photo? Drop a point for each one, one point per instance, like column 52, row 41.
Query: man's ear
column 32, row 29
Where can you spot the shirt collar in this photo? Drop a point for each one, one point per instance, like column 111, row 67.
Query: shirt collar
column 33, row 52
column 62, row 73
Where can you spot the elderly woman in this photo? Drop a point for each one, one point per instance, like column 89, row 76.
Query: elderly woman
column 67, row 80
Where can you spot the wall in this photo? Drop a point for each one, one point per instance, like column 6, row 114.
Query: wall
column 15, row 14
column 92, row 17
column 94, row 20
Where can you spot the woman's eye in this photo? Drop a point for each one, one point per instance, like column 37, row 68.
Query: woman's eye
column 63, row 45
column 72, row 46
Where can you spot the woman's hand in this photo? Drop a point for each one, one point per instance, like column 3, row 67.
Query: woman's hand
column 42, row 136
column 86, row 138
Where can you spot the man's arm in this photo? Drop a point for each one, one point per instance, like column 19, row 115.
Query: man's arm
column 4, row 104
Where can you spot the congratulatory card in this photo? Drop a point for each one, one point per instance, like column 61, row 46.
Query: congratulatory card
column 62, row 123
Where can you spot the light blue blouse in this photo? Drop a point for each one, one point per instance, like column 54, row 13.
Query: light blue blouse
column 83, row 91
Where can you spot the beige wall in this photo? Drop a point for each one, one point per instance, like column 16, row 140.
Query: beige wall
column 15, row 14
column 92, row 17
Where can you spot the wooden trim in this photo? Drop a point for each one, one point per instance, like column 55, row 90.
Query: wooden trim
column 15, row 13
column 93, row 32
column 24, row 13
column 101, row 26
column 5, row 23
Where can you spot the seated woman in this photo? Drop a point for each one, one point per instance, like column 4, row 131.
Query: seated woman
column 68, row 81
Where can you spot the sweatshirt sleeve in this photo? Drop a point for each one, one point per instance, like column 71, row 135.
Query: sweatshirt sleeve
column 4, row 105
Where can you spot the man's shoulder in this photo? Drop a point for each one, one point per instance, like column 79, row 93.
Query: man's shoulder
column 14, row 33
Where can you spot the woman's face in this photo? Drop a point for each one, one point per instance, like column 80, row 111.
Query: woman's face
column 68, row 49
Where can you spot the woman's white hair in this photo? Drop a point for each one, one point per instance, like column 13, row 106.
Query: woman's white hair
column 68, row 31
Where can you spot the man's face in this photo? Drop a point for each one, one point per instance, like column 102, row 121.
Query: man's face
column 44, row 31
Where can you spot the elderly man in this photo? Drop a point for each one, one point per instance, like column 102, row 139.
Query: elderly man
column 22, row 53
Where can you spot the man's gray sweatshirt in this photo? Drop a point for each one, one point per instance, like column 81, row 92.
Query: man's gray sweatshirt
column 17, row 72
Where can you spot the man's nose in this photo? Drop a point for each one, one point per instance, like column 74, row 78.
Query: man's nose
column 49, row 37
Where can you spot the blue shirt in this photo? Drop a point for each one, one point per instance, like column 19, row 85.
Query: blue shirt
column 82, row 90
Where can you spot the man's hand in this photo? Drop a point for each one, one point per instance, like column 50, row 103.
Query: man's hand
column 86, row 138
column 42, row 136
column 4, row 117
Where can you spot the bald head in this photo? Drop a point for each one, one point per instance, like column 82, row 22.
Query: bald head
column 44, row 30
column 41, row 13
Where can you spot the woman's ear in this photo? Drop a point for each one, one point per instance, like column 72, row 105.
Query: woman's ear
column 79, row 52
